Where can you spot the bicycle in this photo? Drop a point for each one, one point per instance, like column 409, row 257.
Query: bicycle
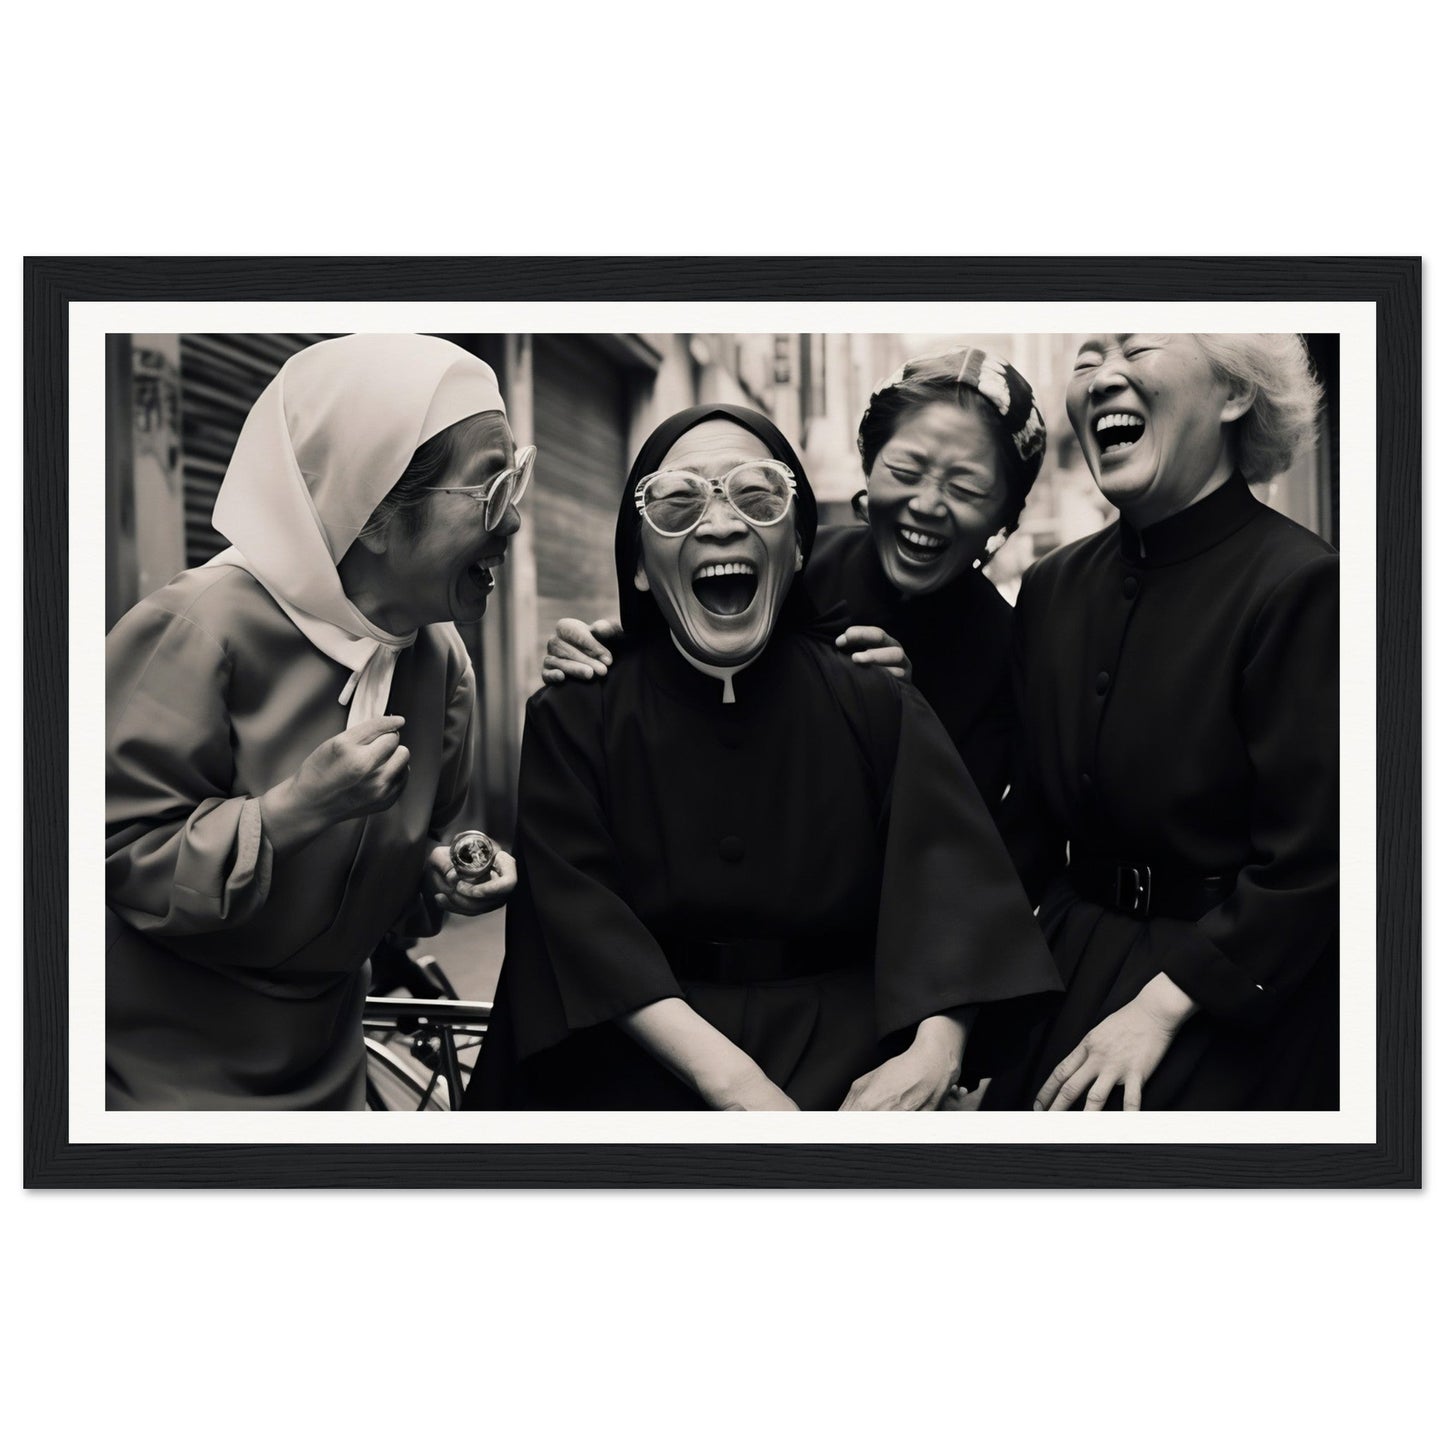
column 420, row 1049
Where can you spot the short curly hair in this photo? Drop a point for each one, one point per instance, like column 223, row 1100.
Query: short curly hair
column 1285, row 412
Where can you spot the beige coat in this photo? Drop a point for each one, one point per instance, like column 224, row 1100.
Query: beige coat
column 233, row 980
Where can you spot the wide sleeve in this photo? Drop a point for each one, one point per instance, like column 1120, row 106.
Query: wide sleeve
column 577, row 954
column 954, row 926
column 1241, row 960
column 182, row 855
column 988, row 747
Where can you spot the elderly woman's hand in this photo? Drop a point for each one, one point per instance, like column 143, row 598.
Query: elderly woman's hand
column 464, row 896
column 360, row 771
column 578, row 651
column 1125, row 1048
column 917, row 1079
column 872, row 647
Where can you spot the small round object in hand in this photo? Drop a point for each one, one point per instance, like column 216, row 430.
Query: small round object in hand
column 473, row 855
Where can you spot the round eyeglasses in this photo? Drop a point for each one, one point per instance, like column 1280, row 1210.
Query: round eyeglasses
column 673, row 503
column 506, row 489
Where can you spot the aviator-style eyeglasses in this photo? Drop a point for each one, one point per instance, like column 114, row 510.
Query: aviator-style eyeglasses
column 506, row 489
column 673, row 503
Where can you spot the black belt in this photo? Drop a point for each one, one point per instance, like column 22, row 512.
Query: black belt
column 764, row 960
column 1143, row 891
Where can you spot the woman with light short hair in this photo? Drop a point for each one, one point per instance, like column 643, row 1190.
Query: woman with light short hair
column 1176, row 816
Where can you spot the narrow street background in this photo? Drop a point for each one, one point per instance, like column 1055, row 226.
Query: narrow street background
column 176, row 403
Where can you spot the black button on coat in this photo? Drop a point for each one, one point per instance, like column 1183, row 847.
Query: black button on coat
column 1215, row 751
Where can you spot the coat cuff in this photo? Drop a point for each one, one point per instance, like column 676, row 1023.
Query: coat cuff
column 223, row 873
column 1213, row 980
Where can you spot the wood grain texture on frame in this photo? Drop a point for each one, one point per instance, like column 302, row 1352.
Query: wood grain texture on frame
column 1392, row 284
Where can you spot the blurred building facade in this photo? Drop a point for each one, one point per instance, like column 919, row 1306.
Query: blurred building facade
column 175, row 405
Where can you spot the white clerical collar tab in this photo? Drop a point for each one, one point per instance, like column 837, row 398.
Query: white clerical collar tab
column 724, row 674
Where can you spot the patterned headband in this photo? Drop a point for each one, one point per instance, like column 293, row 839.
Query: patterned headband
column 1002, row 387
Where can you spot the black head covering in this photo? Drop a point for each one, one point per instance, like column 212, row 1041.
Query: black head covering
column 639, row 612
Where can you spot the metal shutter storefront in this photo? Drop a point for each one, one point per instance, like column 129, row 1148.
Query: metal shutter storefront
column 221, row 377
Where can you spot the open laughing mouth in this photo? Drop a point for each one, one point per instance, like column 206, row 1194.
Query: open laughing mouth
column 1117, row 432
column 726, row 589
column 921, row 547
column 480, row 573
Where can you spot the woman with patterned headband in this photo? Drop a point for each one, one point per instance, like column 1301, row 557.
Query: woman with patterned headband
column 951, row 445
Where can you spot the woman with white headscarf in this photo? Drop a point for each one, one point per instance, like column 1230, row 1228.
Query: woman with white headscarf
column 289, row 729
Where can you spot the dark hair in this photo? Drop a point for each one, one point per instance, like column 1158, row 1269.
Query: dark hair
column 953, row 376
column 429, row 465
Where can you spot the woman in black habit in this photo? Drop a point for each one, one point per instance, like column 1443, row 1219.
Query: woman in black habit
column 752, row 875
column 1177, row 815
column 950, row 445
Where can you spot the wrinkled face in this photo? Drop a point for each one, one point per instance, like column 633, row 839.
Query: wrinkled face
column 721, row 586
column 935, row 495
column 437, row 563
column 1151, row 416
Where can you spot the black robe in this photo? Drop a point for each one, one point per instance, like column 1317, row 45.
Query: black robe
column 959, row 640
column 822, row 817
column 1180, row 697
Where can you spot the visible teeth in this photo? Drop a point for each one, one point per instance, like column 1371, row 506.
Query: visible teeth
column 922, row 539
column 727, row 569
column 1117, row 432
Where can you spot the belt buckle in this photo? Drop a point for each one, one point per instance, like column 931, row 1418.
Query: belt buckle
column 1133, row 889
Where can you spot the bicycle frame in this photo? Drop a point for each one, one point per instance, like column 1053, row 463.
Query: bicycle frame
column 435, row 1021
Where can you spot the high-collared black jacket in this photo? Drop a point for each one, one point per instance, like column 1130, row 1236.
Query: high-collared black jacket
column 1179, row 694
column 958, row 639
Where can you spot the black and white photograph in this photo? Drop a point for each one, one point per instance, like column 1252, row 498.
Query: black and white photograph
column 876, row 719
column 718, row 723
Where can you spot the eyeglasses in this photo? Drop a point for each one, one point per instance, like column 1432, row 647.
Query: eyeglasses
column 506, row 489
column 673, row 503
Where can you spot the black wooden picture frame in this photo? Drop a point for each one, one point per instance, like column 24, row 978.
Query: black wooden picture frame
column 1391, row 284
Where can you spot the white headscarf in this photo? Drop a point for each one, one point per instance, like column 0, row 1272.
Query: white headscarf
column 324, row 443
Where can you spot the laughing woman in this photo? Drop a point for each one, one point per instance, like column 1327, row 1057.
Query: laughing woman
column 950, row 445
column 752, row 875
column 289, row 729
column 1177, row 816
